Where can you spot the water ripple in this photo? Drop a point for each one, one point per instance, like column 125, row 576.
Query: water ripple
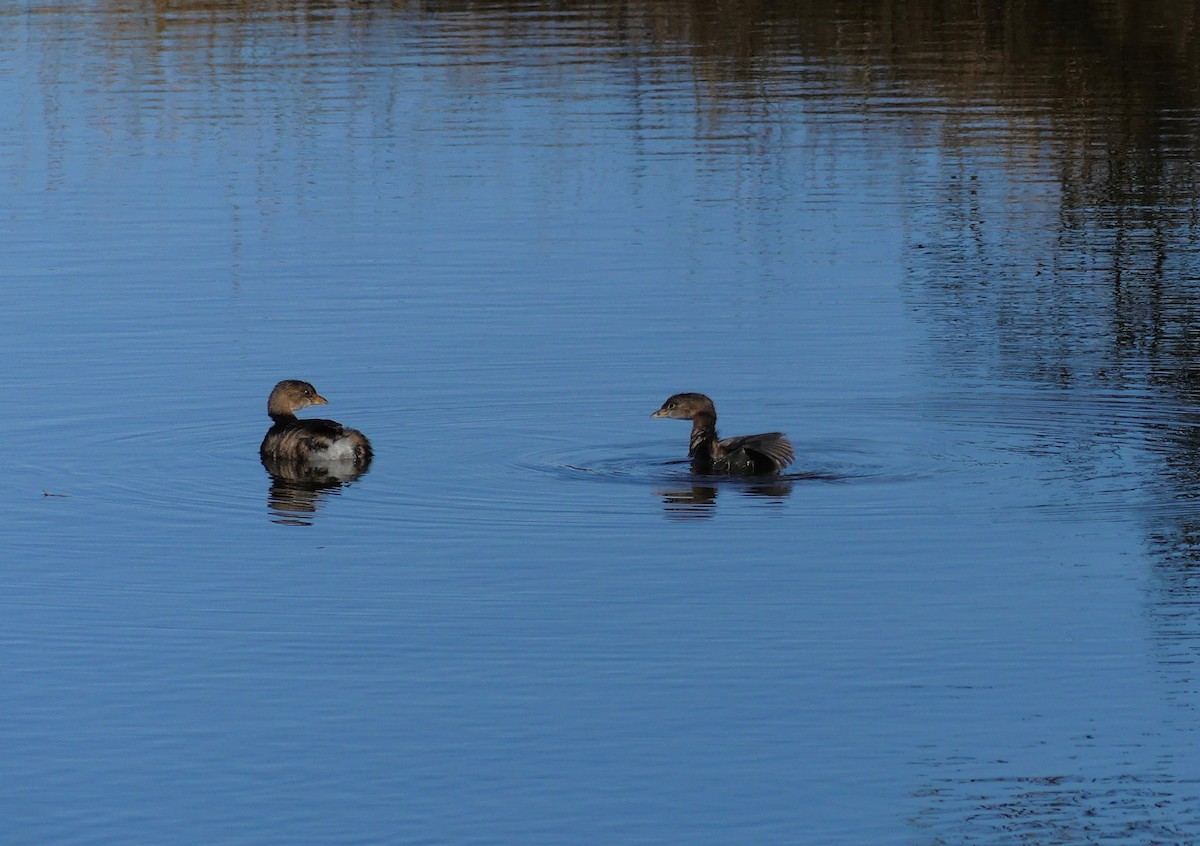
column 640, row 463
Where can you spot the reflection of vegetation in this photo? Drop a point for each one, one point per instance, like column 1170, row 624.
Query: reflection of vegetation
column 1102, row 81
column 1103, row 71
column 1148, row 52
column 1011, row 809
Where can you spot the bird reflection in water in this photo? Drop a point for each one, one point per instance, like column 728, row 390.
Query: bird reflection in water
column 297, row 487
column 307, row 458
column 699, row 502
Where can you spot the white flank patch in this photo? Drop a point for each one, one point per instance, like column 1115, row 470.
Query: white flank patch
column 340, row 450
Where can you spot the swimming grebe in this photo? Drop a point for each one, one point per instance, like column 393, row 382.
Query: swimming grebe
column 748, row 455
column 294, row 441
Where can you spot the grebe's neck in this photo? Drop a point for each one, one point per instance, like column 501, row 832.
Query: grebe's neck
column 704, row 435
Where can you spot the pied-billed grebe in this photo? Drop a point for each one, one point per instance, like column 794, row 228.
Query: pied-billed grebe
column 292, row 440
column 748, row 455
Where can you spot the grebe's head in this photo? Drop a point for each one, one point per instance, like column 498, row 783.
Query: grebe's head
column 686, row 407
column 291, row 395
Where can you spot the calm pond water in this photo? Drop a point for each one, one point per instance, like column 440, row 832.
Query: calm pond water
column 949, row 248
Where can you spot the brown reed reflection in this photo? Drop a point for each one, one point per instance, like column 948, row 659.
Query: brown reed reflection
column 1082, row 54
column 1092, row 87
column 1096, row 92
column 1148, row 50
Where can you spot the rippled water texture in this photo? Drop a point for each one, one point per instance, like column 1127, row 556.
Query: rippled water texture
column 949, row 248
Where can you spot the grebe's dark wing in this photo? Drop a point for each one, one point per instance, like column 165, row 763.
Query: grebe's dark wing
column 771, row 449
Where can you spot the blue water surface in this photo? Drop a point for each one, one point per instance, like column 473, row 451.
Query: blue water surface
column 496, row 237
